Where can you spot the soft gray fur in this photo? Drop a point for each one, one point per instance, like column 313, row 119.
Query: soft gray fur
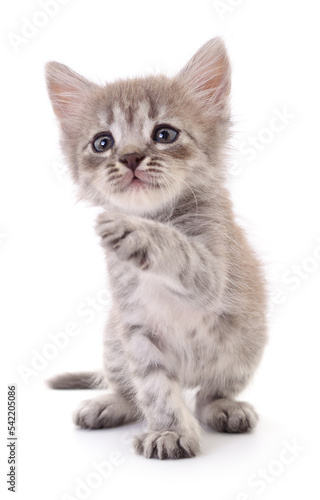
column 188, row 292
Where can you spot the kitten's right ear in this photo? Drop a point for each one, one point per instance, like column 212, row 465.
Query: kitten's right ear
column 67, row 89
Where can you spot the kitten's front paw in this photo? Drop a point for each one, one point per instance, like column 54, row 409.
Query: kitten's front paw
column 121, row 235
column 166, row 445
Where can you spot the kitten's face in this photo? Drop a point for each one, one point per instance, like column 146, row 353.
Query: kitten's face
column 137, row 144
column 136, row 149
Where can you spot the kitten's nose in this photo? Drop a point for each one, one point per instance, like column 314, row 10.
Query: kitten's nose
column 132, row 160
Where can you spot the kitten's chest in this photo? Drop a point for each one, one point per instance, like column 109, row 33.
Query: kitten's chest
column 144, row 298
column 188, row 334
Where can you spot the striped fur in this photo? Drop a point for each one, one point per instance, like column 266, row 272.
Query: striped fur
column 188, row 291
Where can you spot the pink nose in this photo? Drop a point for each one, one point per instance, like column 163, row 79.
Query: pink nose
column 132, row 160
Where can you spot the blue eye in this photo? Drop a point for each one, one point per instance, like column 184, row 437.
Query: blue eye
column 165, row 134
column 102, row 143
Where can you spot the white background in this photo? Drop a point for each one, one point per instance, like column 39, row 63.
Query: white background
column 51, row 263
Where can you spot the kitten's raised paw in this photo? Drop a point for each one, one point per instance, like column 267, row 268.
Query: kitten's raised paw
column 126, row 238
column 103, row 412
column 165, row 445
column 225, row 415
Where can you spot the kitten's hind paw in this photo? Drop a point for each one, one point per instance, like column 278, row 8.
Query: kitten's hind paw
column 104, row 412
column 165, row 445
column 225, row 415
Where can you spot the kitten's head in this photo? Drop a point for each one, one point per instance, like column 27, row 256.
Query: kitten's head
column 140, row 144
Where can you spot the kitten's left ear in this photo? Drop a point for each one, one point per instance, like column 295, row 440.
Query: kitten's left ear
column 208, row 74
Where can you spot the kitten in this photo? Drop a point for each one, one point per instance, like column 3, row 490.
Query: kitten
column 188, row 293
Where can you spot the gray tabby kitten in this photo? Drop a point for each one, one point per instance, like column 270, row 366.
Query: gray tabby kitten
column 188, row 293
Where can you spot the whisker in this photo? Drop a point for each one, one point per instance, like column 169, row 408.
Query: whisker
column 188, row 186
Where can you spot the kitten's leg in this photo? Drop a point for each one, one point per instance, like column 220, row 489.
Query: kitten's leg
column 225, row 414
column 187, row 268
column 111, row 410
column 173, row 432
column 240, row 343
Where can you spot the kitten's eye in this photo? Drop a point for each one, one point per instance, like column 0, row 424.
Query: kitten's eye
column 102, row 143
column 165, row 135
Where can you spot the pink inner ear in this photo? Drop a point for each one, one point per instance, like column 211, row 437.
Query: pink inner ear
column 66, row 89
column 61, row 98
column 65, row 98
column 216, row 81
column 208, row 73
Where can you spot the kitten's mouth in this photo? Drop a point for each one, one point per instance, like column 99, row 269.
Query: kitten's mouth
column 137, row 180
column 140, row 179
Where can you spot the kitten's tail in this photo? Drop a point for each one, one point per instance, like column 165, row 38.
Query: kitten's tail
column 78, row 380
